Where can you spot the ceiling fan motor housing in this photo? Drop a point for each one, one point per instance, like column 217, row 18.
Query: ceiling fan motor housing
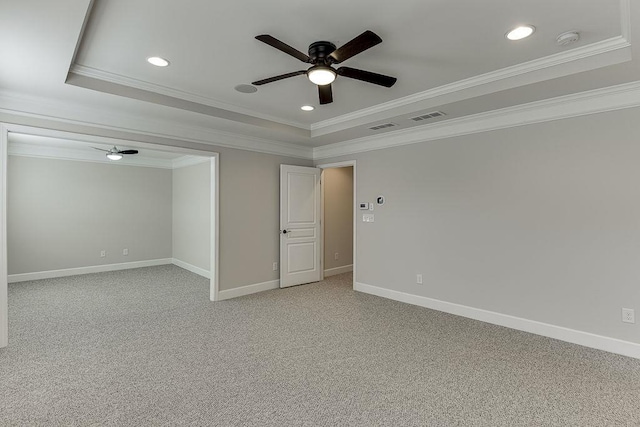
column 319, row 51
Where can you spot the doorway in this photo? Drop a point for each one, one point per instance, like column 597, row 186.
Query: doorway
column 338, row 201
column 210, row 160
column 302, row 222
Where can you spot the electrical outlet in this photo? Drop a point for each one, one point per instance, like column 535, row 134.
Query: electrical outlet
column 628, row 315
column 419, row 279
column 103, row 254
column 125, row 252
column 275, row 266
column 336, row 255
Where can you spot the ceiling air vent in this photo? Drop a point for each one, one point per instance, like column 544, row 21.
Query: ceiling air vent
column 383, row 126
column 428, row 116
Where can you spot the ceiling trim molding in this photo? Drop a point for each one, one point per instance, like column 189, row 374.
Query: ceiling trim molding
column 60, row 153
column 591, row 102
column 625, row 18
column 48, row 109
column 95, row 73
column 555, row 60
column 185, row 161
column 585, row 103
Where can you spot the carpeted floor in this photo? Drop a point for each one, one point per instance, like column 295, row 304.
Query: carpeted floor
column 146, row 347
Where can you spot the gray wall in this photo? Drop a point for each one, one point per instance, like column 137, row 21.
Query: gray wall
column 338, row 216
column 540, row 222
column 250, row 216
column 192, row 214
column 61, row 214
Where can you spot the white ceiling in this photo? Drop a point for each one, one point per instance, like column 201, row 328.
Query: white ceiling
column 421, row 45
column 447, row 56
column 29, row 145
column 89, row 147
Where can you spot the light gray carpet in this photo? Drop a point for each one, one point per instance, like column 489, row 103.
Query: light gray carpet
column 146, row 347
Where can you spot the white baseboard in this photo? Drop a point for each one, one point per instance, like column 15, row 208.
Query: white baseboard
column 50, row 274
column 247, row 290
column 338, row 270
column 612, row 345
column 192, row 268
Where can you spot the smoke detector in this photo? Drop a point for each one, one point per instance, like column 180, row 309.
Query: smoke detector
column 568, row 38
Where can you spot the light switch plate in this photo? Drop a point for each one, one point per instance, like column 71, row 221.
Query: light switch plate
column 368, row 218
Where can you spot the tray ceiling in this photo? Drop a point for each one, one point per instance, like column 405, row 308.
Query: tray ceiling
column 448, row 56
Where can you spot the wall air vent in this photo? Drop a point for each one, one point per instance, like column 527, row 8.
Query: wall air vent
column 383, row 126
column 428, row 116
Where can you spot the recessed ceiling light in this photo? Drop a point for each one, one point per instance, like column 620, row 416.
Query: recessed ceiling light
column 521, row 32
column 157, row 61
column 307, row 108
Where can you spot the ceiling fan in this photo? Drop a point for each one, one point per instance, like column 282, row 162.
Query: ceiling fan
column 115, row 154
column 322, row 55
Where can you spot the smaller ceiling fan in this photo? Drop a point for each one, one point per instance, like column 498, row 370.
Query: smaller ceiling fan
column 322, row 55
column 115, row 154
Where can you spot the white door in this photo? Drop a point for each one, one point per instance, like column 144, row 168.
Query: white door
column 299, row 225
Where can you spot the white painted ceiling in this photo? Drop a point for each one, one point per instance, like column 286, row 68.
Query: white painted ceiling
column 29, row 145
column 448, row 56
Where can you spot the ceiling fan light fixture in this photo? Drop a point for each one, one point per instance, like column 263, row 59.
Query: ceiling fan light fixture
column 114, row 156
column 157, row 61
column 322, row 55
column 520, row 32
column 321, row 75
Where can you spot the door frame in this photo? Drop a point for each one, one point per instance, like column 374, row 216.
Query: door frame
column 343, row 164
column 6, row 128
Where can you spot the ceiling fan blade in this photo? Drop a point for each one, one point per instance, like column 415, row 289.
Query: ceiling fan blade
column 280, row 77
column 361, row 43
column 274, row 42
column 128, row 151
column 326, row 94
column 367, row 76
column 100, row 149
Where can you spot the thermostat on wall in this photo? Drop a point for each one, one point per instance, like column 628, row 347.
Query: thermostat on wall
column 364, row 206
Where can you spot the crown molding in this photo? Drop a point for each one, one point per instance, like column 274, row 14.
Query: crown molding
column 593, row 50
column 185, row 161
column 320, row 128
column 591, row 102
column 62, row 112
column 625, row 19
column 95, row 73
column 585, row 103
